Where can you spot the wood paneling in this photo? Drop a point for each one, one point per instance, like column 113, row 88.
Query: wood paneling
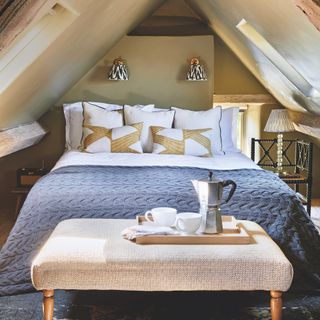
column 244, row 99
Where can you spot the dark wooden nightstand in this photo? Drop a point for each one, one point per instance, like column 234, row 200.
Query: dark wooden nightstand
column 21, row 194
column 301, row 166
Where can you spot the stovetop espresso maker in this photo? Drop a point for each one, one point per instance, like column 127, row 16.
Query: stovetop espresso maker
column 210, row 193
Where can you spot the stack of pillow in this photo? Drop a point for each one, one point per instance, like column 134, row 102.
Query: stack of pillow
column 100, row 127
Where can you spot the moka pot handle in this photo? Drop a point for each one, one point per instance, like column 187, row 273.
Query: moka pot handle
column 226, row 183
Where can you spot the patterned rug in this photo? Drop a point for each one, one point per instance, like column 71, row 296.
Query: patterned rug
column 159, row 306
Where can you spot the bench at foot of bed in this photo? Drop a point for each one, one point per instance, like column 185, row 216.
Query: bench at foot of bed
column 90, row 254
column 275, row 304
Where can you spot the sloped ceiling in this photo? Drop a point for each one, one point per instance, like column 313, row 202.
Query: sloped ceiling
column 101, row 23
column 173, row 18
column 97, row 26
column 284, row 26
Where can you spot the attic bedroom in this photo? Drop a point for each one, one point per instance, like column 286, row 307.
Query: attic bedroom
column 159, row 159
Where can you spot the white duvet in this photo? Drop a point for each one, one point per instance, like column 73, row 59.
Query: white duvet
column 231, row 160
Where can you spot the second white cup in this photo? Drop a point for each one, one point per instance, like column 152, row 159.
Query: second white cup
column 188, row 222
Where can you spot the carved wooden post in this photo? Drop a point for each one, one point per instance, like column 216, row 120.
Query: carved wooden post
column 48, row 304
column 276, row 305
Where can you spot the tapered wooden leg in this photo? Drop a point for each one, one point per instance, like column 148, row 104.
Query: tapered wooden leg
column 48, row 304
column 276, row 305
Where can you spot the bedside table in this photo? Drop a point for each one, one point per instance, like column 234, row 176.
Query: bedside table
column 21, row 194
column 301, row 165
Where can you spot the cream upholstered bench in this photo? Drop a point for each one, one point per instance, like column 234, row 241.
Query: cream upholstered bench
column 90, row 254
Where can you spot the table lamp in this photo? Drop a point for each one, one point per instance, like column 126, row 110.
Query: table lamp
column 279, row 122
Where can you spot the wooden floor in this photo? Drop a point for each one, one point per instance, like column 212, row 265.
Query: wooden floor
column 7, row 220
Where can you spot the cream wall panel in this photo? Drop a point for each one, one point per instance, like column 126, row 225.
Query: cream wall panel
column 157, row 68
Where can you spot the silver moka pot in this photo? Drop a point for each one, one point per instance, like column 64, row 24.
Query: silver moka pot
column 210, row 193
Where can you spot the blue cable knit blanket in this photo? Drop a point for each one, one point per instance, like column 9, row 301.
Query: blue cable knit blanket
column 123, row 192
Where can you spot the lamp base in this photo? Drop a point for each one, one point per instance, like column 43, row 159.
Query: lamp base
column 279, row 154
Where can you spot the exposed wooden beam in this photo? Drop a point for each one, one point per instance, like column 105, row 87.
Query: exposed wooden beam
column 21, row 137
column 244, row 99
column 21, row 15
column 311, row 8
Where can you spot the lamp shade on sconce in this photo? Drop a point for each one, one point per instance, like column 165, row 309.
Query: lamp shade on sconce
column 118, row 70
column 279, row 121
column 196, row 71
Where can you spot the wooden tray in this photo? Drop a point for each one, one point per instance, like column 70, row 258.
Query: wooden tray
column 233, row 233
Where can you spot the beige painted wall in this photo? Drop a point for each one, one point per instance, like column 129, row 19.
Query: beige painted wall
column 157, row 73
column 230, row 75
column 157, row 69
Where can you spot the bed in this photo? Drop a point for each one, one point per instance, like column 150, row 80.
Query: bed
column 111, row 185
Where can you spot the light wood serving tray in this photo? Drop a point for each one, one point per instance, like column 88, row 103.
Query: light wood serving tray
column 233, row 233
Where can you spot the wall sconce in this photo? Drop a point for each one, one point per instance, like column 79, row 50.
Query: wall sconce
column 196, row 71
column 118, row 71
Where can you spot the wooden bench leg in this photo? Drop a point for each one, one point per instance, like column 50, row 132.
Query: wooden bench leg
column 276, row 305
column 48, row 304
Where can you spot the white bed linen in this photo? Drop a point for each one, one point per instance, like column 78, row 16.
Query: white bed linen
column 231, row 160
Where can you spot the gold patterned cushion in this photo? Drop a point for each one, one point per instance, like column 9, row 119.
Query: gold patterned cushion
column 124, row 139
column 181, row 141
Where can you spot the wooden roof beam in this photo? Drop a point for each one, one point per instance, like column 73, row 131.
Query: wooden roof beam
column 15, row 139
column 311, row 8
column 244, row 99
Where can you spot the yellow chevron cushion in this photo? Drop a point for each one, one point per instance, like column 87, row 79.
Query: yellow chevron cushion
column 124, row 139
column 103, row 131
column 181, row 141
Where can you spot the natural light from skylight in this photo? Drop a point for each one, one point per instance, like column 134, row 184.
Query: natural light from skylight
column 277, row 59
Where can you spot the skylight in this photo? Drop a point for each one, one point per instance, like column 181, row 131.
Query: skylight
column 277, row 59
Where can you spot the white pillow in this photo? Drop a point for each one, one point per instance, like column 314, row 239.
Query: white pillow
column 73, row 113
column 187, row 119
column 159, row 118
column 229, row 129
column 97, row 116
column 144, row 107
column 147, row 107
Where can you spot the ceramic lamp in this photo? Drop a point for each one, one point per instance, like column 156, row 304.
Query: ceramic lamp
column 196, row 71
column 118, row 71
column 279, row 122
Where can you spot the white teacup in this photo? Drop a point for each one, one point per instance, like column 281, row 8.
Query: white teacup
column 162, row 216
column 188, row 222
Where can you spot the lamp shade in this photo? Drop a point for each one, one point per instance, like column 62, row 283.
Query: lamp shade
column 279, row 121
column 118, row 71
column 196, row 71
